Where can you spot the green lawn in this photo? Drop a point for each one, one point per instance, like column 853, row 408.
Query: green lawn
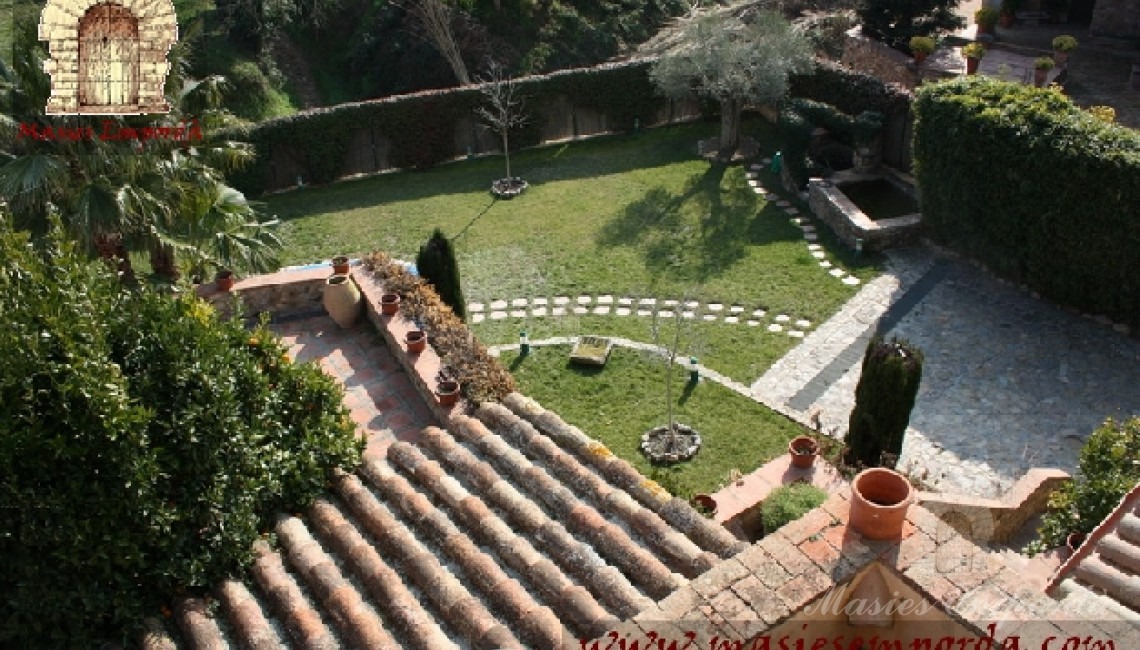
column 618, row 403
column 636, row 215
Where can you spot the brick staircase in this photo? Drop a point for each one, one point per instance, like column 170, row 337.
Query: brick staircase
column 491, row 534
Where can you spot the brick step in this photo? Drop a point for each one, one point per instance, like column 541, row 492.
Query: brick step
column 610, row 540
column 605, row 582
column 705, row 533
column 455, row 604
column 583, row 614
column 675, row 549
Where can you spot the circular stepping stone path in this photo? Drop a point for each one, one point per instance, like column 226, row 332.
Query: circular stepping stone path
column 715, row 306
column 539, row 302
column 499, row 305
column 622, row 311
column 477, row 318
column 605, row 300
column 584, row 300
column 602, row 310
column 538, row 311
column 519, row 302
column 580, row 311
column 475, row 307
column 561, row 300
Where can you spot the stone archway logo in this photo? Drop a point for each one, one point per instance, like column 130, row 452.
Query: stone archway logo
column 107, row 58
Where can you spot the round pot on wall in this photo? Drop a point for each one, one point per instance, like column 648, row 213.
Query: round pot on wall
column 389, row 304
column 416, row 340
column 340, row 264
column 879, row 501
column 803, row 450
column 224, row 280
column 447, row 392
column 341, row 300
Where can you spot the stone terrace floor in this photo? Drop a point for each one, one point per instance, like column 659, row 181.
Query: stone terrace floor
column 383, row 403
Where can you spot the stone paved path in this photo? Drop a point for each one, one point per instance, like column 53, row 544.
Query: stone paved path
column 1009, row 382
column 383, row 403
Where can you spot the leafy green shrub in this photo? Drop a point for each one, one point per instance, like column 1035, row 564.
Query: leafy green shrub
column 1109, row 467
column 894, row 22
column 252, row 93
column 884, row 397
column 788, row 503
column 436, row 264
column 922, row 44
column 795, row 131
column 1053, row 191
column 481, row 376
column 144, row 445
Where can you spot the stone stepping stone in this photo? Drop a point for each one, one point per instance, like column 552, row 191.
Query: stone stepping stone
column 688, row 314
column 605, row 300
column 825, row 264
column 753, row 323
column 584, row 300
column 752, row 181
column 538, row 311
column 799, row 221
column 837, row 273
column 807, row 227
column 519, row 302
column 665, row 313
column 625, row 301
column 692, row 304
column 581, row 311
column 475, row 306
column 669, row 303
column 602, row 310
column 731, row 319
column 766, row 160
column 775, row 328
column 518, row 313
column 498, row 315
column 735, row 309
column 851, row 280
column 647, row 301
column 709, row 317
column 499, row 305
column 715, row 306
column 791, row 211
column 561, row 300
column 815, row 247
column 756, row 168
column 771, row 197
column 758, row 190
column 558, row 311
column 803, row 324
column 644, row 312
column 477, row 318
column 758, row 313
column 811, row 236
column 819, row 255
column 796, row 334
column 783, row 204
column 539, row 302
column 783, row 318
column 622, row 311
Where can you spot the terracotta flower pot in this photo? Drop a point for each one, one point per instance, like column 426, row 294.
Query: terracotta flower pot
column 919, row 58
column 224, row 280
column 972, row 65
column 706, row 502
column 1039, row 77
column 803, row 450
column 447, row 392
column 340, row 264
column 416, row 341
column 342, row 300
column 389, row 304
column 1074, row 541
column 879, row 501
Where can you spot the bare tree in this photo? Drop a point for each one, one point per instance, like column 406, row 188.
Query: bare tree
column 504, row 108
column 435, row 18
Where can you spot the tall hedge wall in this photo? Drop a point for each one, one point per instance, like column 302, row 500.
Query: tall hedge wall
column 1037, row 189
column 421, row 127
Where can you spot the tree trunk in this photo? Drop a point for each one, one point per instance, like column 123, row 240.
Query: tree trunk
column 729, row 126
column 507, row 154
column 162, row 261
column 111, row 248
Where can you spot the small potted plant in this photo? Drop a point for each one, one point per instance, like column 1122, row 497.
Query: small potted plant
column 447, row 392
column 973, row 53
column 922, row 46
column 803, row 450
column 1041, row 67
column 389, row 304
column 1008, row 13
column 986, row 18
column 704, row 504
column 340, row 264
column 1062, row 46
column 416, row 340
column 224, row 280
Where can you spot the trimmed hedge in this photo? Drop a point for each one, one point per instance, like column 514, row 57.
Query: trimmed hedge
column 849, row 91
column 1037, row 189
column 421, row 126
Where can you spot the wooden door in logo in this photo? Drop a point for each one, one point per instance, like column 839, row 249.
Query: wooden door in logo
column 108, row 57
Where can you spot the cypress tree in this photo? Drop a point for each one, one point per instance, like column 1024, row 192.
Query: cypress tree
column 436, row 264
column 884, row 398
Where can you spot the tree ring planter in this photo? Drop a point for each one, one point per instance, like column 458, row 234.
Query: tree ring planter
column 803, row 450
column 416, row 340
column 340, row 264
column 389, row 304
column 508, row 188
column 342, row 300
column 879, row 501
column 447, row 392
column 661, row 446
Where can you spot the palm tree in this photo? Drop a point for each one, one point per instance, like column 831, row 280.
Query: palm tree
column 116, row 197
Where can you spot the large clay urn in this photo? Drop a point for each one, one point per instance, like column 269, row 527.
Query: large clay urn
column 342, row 300
column 879, row 501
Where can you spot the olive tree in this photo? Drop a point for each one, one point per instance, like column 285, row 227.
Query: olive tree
column 734, row 60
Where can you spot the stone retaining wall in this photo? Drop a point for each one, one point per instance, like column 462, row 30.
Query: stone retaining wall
column 283, row 294
column 996, row 520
